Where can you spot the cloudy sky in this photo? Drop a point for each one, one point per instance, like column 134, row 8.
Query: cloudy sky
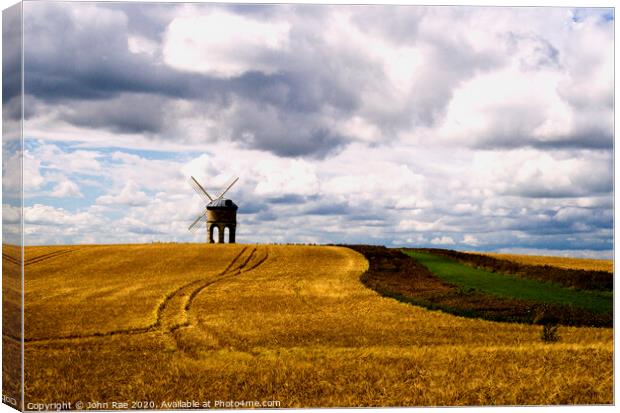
column 458, row 127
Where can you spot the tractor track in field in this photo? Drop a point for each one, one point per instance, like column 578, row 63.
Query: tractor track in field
column 176, row 305
column 184, row 296
column 250, row 263
column 49, row 256
column 39, row 258
column 11, row 259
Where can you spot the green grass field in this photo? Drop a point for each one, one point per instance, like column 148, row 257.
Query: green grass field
column 508, row 286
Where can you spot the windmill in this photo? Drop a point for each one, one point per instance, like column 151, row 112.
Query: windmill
column 220, row 213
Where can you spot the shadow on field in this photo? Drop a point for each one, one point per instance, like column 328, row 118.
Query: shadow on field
column 393, row 274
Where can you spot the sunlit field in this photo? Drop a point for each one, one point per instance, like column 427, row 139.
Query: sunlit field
column 287, row 324
column 11, row 323
column 562, row 262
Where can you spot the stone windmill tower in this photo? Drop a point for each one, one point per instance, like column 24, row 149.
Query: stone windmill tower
column 220, row 213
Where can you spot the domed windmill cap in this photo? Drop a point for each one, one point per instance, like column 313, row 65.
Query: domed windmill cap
column 222, row 203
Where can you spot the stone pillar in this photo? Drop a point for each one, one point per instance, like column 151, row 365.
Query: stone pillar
column 210, row 233
column 231, row 234
column 220, row 238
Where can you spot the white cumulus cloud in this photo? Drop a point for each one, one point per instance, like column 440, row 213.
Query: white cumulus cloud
column 442, row 241
column 222, row 43
column 129, row 195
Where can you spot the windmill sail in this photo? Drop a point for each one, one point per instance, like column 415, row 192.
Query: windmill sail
column 200, row 190
column 194, row 226
column 228, row 187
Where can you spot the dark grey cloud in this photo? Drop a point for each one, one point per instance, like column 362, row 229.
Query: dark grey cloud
column 366, row 216
column 267, row 216
column 86, row 58
column 290, row 112
column 71, row 62
column 511, row 126
column 11, row 54
column 329, row 208
column 544, row 232
column 548, row 223
column 555, row 242
column 146, row 19
column 596, row 137
column 73, row 56
column 262, row 11
column 603, row 185
column 288, row 199
column 514, row 135
column 288, row 136
column 301, row 92
column 68, row 58
column 252, row 208
column 133, row 113
column 598, row 180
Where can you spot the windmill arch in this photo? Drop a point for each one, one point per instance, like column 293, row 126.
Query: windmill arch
column 231, row 233
column 213, row 233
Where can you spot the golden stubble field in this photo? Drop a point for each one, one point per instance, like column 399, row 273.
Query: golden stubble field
column 167, row 322
column 11, row 323
column 587, row 264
